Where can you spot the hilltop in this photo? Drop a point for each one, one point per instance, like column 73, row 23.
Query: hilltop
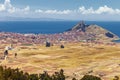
column 94, row 31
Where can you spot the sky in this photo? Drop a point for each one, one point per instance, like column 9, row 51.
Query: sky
column 93, row 10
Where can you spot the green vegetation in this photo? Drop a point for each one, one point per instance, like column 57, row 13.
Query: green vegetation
column 16, row 74
column 90, row 77
column 116, row 78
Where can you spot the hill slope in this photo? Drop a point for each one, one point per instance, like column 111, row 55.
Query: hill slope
column 95, row 31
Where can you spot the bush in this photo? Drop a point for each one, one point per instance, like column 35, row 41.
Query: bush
column 74, row 79
column 16, row 74
column 116, row 78
column 90, row 77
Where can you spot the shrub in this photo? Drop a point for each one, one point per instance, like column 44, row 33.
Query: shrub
column 116, row 78
column 16, row 74
column 90, row 77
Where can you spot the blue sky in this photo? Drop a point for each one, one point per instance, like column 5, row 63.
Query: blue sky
column 62, row 9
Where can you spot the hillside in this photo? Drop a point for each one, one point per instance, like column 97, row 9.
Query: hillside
column 94, row 31
column 76, row 59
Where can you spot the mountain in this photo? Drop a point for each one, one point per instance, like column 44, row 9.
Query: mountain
column 7, row 18
column 97, row 31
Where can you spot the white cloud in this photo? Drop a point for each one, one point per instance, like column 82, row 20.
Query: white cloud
column 2, row 7
column 53, row 11
column 8, row 7
column 7, row 4
column 100, row 10
column 39, row 11
column 82, row 10
column 27, row 8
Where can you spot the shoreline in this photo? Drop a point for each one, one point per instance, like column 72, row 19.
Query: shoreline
column 117, row 41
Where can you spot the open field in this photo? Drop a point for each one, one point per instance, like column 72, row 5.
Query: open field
column 76, row 59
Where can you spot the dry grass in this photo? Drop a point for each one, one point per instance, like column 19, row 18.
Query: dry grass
column 74, row 58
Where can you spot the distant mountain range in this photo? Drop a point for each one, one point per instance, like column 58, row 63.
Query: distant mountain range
column 28, row 19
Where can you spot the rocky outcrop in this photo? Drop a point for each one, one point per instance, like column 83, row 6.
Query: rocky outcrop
column 80, row 26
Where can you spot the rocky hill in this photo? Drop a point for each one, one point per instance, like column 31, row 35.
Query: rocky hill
column 97, row 31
